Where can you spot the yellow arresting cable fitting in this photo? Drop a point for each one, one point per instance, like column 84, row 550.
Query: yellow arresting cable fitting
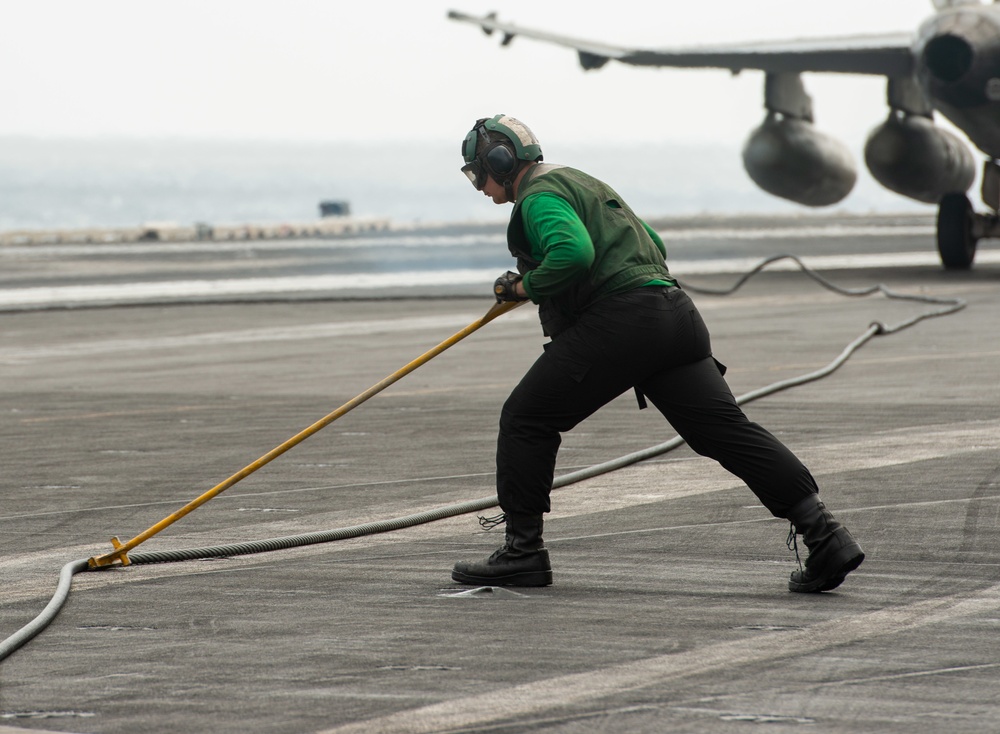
column 120, row 552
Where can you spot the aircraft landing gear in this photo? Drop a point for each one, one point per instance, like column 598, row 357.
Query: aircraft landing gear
column 960, row 227
column 955, row 236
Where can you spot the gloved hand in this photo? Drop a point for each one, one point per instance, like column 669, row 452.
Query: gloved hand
column 504, row 287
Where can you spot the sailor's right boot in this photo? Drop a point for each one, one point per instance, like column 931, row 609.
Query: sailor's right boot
column 522, row 561
column 833, row 551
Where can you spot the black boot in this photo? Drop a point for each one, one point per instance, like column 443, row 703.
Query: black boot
column 833, row 551
column 522, row 561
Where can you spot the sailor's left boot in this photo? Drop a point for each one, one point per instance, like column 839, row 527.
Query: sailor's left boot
column 522, row 561
column 833, row 551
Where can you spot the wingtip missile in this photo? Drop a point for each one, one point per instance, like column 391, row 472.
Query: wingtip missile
column 486, row 24
column 487, row 29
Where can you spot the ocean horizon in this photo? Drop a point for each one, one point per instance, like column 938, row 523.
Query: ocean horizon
column 121, row 182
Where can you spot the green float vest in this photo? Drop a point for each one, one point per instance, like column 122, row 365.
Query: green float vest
column 625, row 257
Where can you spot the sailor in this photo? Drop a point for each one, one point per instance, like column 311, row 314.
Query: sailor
column 617, row 320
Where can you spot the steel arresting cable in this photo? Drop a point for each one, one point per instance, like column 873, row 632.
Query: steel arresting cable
column 947, row 306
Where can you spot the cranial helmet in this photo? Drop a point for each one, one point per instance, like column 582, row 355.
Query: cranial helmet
column 499, row 146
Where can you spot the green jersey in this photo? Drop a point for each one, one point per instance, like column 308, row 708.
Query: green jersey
column 576, row 241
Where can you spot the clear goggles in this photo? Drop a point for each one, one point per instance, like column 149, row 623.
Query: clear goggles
column 476, row 173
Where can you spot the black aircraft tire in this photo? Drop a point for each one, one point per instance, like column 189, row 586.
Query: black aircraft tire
column 955, row 241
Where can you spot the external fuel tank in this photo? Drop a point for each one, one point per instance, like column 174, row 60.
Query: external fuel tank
column 790, row 158
column 910, row 155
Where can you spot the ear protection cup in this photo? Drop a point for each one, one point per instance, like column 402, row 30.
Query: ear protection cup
column 500, row 161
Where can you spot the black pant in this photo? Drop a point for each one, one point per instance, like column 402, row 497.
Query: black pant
column 653, row 339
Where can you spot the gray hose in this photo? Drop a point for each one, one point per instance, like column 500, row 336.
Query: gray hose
column 951, row 305
column 327, row 536
column 40, row 622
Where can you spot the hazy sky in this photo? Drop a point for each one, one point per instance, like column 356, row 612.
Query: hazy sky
column 364, row 71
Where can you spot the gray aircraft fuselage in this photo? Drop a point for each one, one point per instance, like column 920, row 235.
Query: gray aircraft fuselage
column 957, row 62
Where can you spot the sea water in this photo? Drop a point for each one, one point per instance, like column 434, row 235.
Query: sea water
column 115, row 182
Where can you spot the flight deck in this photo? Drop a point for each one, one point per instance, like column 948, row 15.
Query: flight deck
column 669, row 609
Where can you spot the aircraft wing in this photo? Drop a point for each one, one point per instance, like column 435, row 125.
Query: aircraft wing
column 884, row 55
